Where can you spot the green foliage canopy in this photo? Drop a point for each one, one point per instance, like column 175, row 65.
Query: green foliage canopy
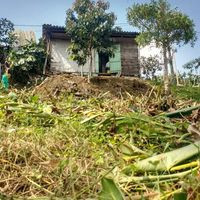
column 165, row 26
column 6, row 30
column 89, row 26
column 160, row 23
column 26, row 60
column 193, row 64
column 7, row 38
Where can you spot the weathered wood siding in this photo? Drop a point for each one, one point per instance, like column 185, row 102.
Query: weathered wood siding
column 129, row 56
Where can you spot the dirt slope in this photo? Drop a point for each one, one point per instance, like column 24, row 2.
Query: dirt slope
column 115, row 86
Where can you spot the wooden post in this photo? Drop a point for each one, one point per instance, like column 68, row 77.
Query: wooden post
column 46, row 59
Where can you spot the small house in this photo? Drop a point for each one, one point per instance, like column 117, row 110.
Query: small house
column 125, row 61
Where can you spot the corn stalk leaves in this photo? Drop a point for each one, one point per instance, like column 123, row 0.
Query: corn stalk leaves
column 166, row 161
column 180, row 196
column 131, row 150
column 150, row 178
column 110, row 190
column 181, row 113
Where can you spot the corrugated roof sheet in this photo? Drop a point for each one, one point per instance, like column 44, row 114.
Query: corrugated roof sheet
column 48, row 28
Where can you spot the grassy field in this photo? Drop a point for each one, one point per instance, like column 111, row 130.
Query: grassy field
column 187, row 92
column 65, row 147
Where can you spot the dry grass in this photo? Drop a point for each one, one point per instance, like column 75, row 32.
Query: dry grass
column 56, row 163
column 47, row 150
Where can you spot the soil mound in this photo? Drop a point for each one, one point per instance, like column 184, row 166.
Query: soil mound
column 114, row 86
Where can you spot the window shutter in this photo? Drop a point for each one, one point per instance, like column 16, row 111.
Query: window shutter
column 115, row 62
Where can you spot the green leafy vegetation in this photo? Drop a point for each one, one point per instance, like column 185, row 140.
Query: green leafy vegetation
column 110, row 190
column 192, row 65
column 150, row 66
column 164, row 25
column 187, row 92
column 89, row 25
column 6, row 29
column 26, row 60
column 7, row 38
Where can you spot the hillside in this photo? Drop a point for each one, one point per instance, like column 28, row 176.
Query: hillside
column 74, row 138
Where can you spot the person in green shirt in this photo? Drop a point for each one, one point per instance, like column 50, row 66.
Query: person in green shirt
column 5, row 79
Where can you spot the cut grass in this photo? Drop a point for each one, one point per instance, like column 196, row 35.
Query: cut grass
column 63, row 147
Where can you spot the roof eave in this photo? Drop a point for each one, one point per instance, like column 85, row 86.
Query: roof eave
column 50, row 29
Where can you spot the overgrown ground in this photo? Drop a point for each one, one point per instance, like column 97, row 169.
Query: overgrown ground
column 187, row 92
column 63, row 146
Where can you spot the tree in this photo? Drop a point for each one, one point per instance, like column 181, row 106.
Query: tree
column 193, row 64
column 6, row 30
column 6, row 37
column 158, row 22
column 26, row 60
column 89, row 26
column 150, row 66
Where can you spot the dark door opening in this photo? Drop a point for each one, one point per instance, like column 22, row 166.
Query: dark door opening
column 103, row 60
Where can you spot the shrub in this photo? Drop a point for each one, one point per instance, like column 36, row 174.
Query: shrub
column 26, row 61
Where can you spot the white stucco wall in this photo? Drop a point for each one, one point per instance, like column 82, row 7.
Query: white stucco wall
column 61, row 61
column 151, row 50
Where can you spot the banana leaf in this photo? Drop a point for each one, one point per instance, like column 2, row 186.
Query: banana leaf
column 135, row 117
column 181, row 113
column 165, row 161
column 151, row 178
column 90, row 118
column 180, row 196
column 110, row 191
column 131, row 150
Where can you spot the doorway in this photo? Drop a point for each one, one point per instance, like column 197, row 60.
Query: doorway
column 103, row 60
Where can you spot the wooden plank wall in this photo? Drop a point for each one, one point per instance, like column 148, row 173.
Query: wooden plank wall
column 129, row 56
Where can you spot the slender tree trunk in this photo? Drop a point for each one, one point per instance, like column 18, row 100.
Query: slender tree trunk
column 171, row 64
column 82, row 70
column 177, row 79
column 177, row 73
column 165, row 71
column 90, row 69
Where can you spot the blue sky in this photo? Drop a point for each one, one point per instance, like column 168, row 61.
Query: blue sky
column 38, row 12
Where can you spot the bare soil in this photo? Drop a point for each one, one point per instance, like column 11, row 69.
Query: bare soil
column 55, row 85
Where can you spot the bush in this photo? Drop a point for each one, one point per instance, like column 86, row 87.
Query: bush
column 26, row 61
column 150, row 66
